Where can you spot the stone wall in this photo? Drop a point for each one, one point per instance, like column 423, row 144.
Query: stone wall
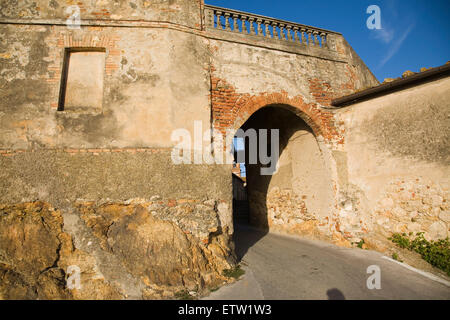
column 132, row 250
column 98, row 184
column 394, row 166
column 307, row 83
column 185, row 13
column 92, row 170
column 304, row 84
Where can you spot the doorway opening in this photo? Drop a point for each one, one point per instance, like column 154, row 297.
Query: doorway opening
column 297, row 193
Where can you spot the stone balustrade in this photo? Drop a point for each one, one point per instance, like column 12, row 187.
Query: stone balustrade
column 269, row 28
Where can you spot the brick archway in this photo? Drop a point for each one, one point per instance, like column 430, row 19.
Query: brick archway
column 230, row 110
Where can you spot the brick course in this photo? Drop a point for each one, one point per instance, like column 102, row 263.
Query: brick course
column 12, row 152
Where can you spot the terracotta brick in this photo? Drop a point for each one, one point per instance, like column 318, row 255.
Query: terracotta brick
column 231, row 109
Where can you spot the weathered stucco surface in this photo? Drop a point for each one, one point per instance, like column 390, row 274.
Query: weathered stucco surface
column 89, row 162
column 168, row 83
column 185, row 13
column 97, row 184
column 395, row 162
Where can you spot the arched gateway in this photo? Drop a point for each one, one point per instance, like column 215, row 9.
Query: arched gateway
column 297, row 196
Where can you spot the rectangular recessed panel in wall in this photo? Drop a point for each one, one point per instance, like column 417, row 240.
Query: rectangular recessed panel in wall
column 82, row 85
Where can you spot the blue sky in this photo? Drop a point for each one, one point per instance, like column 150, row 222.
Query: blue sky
column 414, row 34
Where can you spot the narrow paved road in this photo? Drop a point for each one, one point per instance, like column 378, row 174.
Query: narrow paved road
column 281, row 267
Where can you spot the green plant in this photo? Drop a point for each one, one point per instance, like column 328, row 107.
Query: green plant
column 437, row 253
column 235, row 272
column 360, row 244
column 396, row 257
column 183, row 295
column 401, row 240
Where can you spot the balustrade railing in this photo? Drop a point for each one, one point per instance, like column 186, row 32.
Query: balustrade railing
column 265, row 27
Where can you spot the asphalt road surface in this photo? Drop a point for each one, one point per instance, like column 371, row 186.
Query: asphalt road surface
column 288, row 268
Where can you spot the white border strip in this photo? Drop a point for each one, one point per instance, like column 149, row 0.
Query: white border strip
column 423, row 273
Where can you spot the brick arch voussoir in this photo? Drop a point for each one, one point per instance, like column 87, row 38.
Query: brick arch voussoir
column 315, row 118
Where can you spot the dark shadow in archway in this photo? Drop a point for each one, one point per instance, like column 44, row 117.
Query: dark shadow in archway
column 249, row 231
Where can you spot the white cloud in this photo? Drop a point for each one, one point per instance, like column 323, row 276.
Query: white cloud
column 396, row 46
column 384, row 34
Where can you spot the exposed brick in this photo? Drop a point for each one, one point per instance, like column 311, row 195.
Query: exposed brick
column 231, row 109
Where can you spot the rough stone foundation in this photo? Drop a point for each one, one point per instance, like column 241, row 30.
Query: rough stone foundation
column 123, row 251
